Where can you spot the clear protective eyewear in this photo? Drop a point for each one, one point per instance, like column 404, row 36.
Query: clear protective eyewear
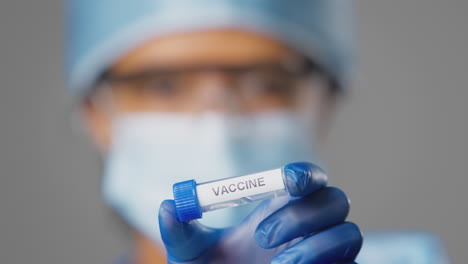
column 289, row 84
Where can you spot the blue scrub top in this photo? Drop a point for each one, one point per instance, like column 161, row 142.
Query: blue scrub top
column 389, row 247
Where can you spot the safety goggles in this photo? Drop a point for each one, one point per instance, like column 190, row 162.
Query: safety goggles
column 261, row 86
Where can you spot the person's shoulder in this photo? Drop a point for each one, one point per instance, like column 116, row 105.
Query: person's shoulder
column 402, row 247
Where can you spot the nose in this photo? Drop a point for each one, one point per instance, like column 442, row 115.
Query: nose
column 215, row 93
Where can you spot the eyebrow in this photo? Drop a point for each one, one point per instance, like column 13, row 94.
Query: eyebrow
column 304, row 67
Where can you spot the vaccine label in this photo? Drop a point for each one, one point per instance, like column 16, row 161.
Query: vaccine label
column 239, row 187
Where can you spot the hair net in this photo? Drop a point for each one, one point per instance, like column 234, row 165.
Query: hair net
column 100, row 32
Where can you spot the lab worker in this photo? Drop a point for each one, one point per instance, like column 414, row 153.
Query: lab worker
column 207, row 89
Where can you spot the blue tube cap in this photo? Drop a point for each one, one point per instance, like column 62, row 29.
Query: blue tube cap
column 186, row 201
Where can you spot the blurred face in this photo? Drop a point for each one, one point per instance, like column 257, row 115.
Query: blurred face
column 228, row 71
column 207, row 105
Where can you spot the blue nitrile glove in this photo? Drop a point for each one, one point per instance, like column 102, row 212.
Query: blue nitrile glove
column 306, row 228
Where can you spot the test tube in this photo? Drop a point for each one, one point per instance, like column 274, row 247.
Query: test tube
column 192, row 199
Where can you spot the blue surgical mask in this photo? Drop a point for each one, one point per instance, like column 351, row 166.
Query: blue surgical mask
column 150, row 152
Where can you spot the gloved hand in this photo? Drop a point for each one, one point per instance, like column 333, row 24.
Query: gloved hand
column 306, row 227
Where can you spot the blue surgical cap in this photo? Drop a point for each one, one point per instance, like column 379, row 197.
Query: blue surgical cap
column 100, row 32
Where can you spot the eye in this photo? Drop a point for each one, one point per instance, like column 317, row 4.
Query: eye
column 164, row 85
column 266, row 83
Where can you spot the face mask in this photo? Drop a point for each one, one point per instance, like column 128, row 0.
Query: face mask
column 151, row 152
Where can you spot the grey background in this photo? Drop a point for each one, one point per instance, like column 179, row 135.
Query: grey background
column 398, row 146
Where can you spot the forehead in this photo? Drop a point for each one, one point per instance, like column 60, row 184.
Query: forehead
column 229, row 47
